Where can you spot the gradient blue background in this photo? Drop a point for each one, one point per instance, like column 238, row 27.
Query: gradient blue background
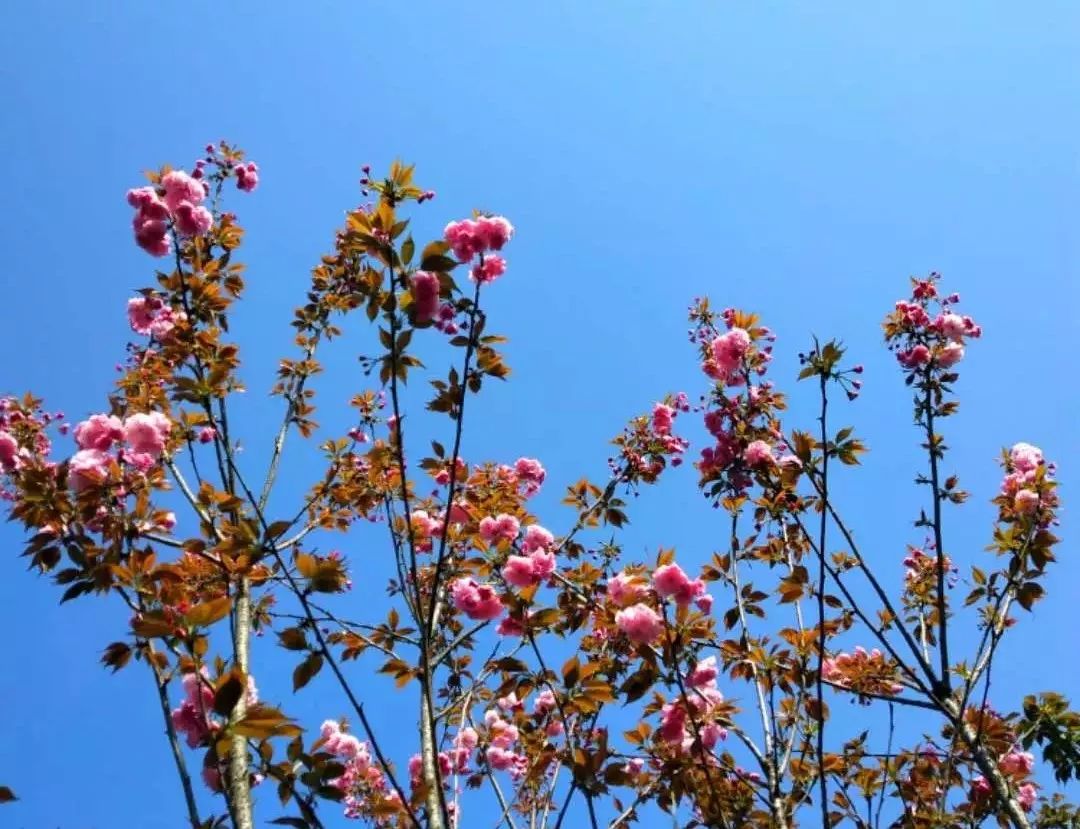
column 798, row 159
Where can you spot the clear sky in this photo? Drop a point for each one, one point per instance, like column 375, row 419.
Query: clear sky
column 799, row 159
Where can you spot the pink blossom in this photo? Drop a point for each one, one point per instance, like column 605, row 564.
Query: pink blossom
column 525, row 571
column 180, row 187
column 192, row 220
column 662, row 417
column 494, row 231
column 980, row 788
column 711, row 734
column 463, row 239
column 344, row 745
column 9, row 451
column 247, row 176
column 758, row 453
column 502, row 733
column 536, row 538
column 147, row 203
column 467, row 238
column 99, row 431
column 670, row 581
column 625, row 590
column 518, row 571
column 152, row 235
column 192, row 717
column 951, row 325
column 150, row 316
column 729, row 349
column 88, row 467
column 950, row 355
column 545, row 702
column 915, row 357
column 207, row 434
column 1017, row 762
column 672, row 723
column 543, row 564
column 477, row 601
column 503, row 760
column 913, row 313
column 640, row 622
column 1025, row 457
column 501, row 527
column 530, row 474
column 425, row 291
column 1026, row 502
column 466, row 738
column 147, row 433
column 141, row 313
column 509, row 626
column 1026, row 795
column 704, row 674
column 458, row 513
column 510, row 703
column 489, row 269
column 424, row 524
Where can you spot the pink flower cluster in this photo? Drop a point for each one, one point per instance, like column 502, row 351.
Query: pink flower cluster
column 475, row 237
column 499, row 528
column 23, row 434
column 538, row 563
column 648, row 442
column 640, row 623
column 1022, row 485
column 702, row 698
column 920, row 573
column 9, row 452
column 361, row 775
column 530, row 475
column 247, row 176
column 179, row 198
column 732, row 460
column 424, row 530
column 671, row 582
column 624, row 589
column 922, row 340
column 149, row 315
column 502, row 735
column 146, row 435
column 424, row 288
column 193, row 717
column 726, row 356
column 862, row 670
column 479, row 602
column 1017, row 766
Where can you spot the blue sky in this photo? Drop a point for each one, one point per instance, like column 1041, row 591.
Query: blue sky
column 801, row 160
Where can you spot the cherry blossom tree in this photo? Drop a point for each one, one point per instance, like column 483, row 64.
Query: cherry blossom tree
column 554, row 680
